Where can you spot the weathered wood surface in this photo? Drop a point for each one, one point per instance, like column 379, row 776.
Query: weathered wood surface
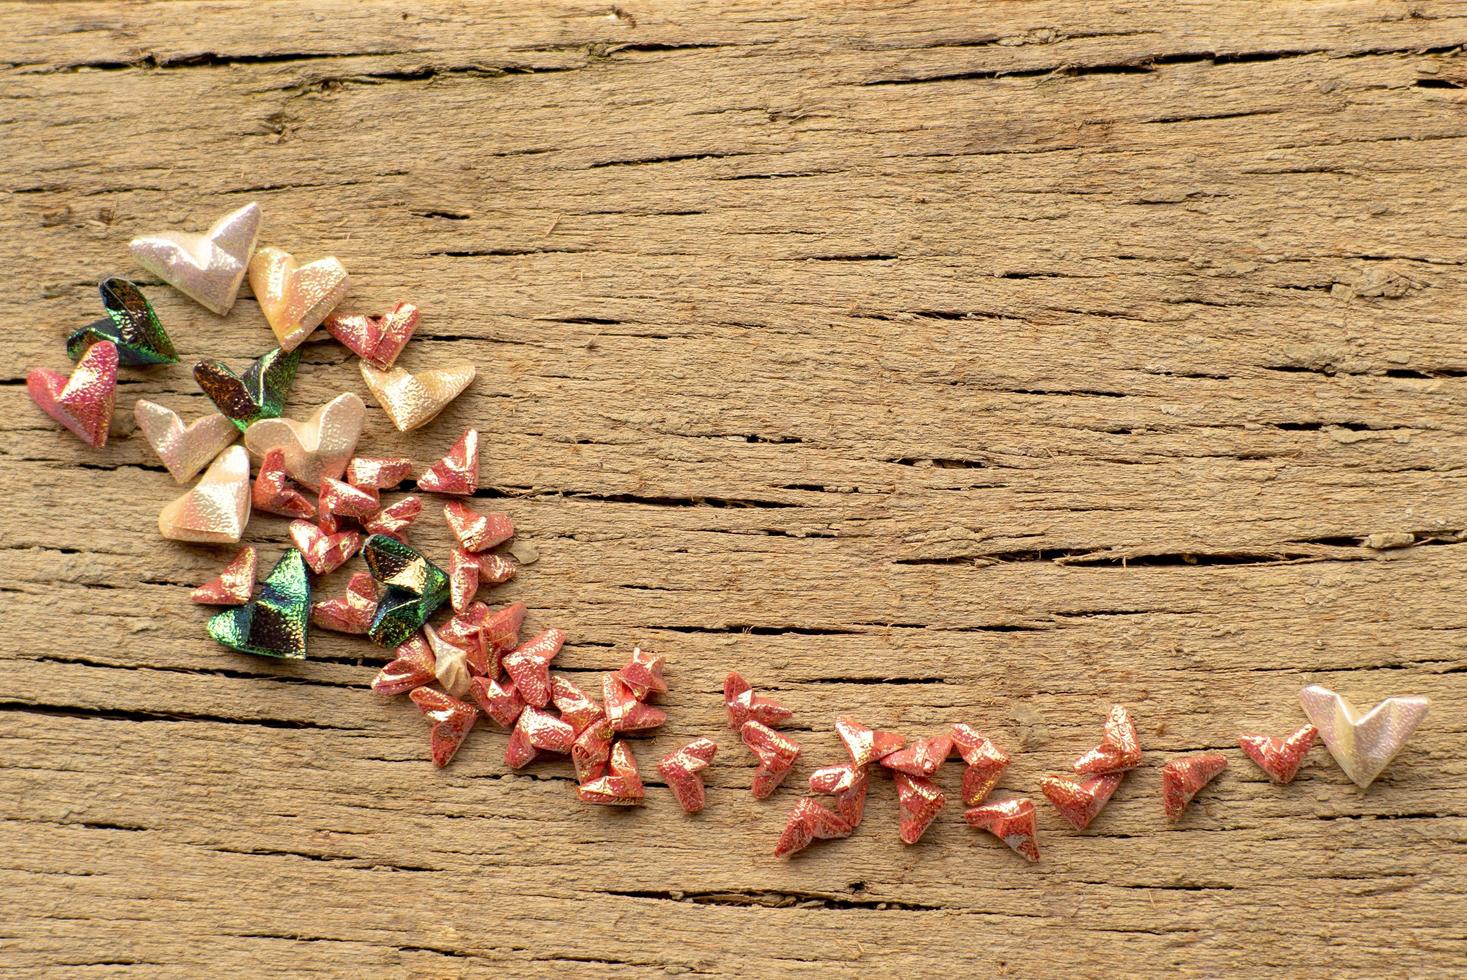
column 928, row 361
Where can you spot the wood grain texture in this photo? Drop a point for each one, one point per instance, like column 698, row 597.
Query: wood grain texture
column 930, row 361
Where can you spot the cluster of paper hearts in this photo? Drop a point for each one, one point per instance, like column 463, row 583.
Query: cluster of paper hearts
column 295, row 299
column 473, row 664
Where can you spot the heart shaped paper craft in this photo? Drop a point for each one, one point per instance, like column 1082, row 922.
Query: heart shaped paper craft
column 183, row 449
column 325, row 553
column 375, row 339
column 234, row 585
column 457, row 472
column 130, row 323
column 217, row 509
column 273, row 492
column 317, row 448
column 1365, row 744
column 83, row 401
column 260, row 394
column 295, row 298
column 275, row 623
column 208, row 268
column 411, row 400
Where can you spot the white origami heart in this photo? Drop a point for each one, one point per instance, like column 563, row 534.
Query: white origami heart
column 217, row 509
column 208, row 267
column 317, row 448
column 183, row 449
column 1363, row 745
column 411, row 400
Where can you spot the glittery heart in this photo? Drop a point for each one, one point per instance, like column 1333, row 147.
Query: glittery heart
column 1080, row 798
column 412, row 400
column 375, row 339
column 130, row 323
column 920, row 800
column 217, row 508
column 83, row 401
column 209, row 267
column 415, row 588
column 183, row 449
column 316, row 448
column 232, row 586
column 775, row 752
column 274, row 494
column 352, row 613
column 260, row 394
column 457, row 472
column 324, row 552
column 621, row 786
column 451, row 719
column 1280, row 757
column 1183, row 778
column 1011, row 821
column 682, row 770
column 295, row 298
column 1363, row 745
column 275, row 623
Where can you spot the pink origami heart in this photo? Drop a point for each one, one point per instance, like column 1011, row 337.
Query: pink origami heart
column 83, row 401
column 375, row 339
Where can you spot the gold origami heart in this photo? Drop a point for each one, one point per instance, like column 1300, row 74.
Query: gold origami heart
column 317, row 448
column 217, row 509
column 295, row 299
column 1365, row 744
column 411, row 400
column 183, row 449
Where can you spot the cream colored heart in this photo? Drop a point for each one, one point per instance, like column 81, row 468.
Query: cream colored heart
column 411, row 400
column 319, row 447
column 1365, row 744
column 207, row 268
column 295, row 298
column 183, row 449
column 217, row 509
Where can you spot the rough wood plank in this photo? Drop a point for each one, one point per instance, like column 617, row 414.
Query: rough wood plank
column 931, row 361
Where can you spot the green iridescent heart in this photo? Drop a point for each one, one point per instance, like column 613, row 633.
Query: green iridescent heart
column 415, row 588
column 130, row 323
column 274, row 623
column 260, row 394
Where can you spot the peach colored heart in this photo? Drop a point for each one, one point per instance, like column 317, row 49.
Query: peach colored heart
column 295, row 298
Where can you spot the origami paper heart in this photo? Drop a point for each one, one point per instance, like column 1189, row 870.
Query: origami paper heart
column 415, row 588
column 458, row 472
column 207, row 268
column 1363, row 745
column 273, row 494
column 353, row 612
column 1011, row 821
column 260, row 394
column 411, row 400
column 83, row 401
column 130, row 323
column 375, row 339
column 217, row 509
column 317, row 448
column 232, row 586
column 183, row 449
column 323, row 552
column 295, row 298
column 275, row 623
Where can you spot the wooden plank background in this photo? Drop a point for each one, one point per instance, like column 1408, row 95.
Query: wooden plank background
column 928, row 361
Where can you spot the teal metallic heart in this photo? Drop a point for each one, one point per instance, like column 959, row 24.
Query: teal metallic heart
column 415, row 588
column 130, row 323
column 260, row 394
column 274, row 624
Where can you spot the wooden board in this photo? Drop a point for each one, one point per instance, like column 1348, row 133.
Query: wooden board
column 928, row 361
